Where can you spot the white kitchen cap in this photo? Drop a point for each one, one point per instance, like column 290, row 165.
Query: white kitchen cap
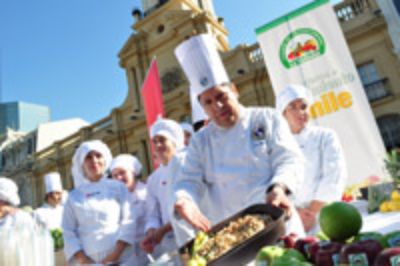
column 201, row 63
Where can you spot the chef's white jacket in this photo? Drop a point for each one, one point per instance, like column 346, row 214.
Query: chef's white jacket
column 235, row 166
column 96, row 216
column 50, row 216
column 325, row 171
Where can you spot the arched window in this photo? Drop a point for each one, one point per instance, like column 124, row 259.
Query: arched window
column 389, row 125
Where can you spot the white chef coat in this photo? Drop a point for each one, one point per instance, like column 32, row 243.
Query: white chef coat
column 182, row 230
column 19, row 218
column 325, row 171
column 157, row 195
column 138, row 205
column 50, row 216
column 236, row 165
column 96, row 216
column 157, row 207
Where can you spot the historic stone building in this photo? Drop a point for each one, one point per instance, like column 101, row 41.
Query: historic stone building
column 162, row 25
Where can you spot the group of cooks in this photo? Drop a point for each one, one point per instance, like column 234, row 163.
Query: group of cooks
column 238, row 156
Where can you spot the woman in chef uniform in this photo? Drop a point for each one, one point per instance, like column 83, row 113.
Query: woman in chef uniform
column 126, row 168
column 97, row 220
column 50, row 214
column 325, row 168
column 168, row 139
column 10, row 215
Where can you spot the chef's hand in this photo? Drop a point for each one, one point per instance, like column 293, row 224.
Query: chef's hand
column 82, row 258
column 278, row 198
column 189, row 211
column 308, row 217
column 148, row 243
column 113, row 257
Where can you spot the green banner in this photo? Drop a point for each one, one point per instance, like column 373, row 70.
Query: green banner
column 290, row 16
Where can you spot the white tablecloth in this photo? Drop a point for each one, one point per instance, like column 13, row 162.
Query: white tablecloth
column 377, row 222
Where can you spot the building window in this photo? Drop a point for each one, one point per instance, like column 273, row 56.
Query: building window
column 374, row 85
column 135, row 85
column 389, row 125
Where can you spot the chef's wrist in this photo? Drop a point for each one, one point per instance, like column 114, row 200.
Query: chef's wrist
column 282, row 186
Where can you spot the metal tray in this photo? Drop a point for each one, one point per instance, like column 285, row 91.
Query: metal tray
column 246, row 251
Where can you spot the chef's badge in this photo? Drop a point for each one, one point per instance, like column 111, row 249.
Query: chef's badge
column 258, row 133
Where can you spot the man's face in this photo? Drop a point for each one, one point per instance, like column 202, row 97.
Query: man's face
column 296, row 114
column 54, row 198
column 164, row 148
column 221, row 105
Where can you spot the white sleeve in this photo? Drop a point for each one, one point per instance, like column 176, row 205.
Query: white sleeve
column 189, row 182
column 72, row 243
column 127, row 226
column 153, row 210
column 333, row 170
column 182, row 230
column 287, row 160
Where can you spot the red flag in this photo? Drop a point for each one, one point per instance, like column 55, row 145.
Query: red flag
column 152, row 100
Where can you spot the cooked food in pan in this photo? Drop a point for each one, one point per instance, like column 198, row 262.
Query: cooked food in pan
column 211, row 247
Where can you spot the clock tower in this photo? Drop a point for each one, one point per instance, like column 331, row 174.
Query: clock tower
column 159, row 28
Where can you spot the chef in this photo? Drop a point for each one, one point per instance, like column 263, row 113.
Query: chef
column 126, row 168
column 187, row 131
column 167, row 136
column 97, row 220
column 10, row 215
column 325, row 171
column 242, row 157
column 50, row 214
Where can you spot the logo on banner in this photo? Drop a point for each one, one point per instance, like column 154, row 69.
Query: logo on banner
column 300, row 46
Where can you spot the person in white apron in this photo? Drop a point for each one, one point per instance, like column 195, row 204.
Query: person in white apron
column 22, row 241
column 242, row 157
column 126, row 168
column 10, row 215
column 97, row 220
column 167, row 136
column 50, row 213
column 325, row 171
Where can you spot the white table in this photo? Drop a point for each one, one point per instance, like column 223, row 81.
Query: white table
column 382, row 222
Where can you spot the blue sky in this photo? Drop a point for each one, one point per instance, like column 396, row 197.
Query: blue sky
column 63, row 53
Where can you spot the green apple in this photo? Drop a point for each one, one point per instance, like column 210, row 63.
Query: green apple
column 392, row 239
column 371, row 235
column 268, row 254
column 289, row 261
column 293, row 253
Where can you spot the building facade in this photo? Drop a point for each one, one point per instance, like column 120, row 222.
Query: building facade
column 22, row 116
column 162, row 25
column 17, row 151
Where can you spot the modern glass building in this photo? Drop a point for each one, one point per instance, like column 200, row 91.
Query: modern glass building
column 21, row 116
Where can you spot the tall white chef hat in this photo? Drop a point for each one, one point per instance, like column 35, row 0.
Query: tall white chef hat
column 79, row 157
column 9, row 191
column 52, row 182
column 170, row 129
column 128, row 162
column 291, row 93
column 201, row 63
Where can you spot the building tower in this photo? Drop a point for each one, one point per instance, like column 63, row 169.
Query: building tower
column 159, row 28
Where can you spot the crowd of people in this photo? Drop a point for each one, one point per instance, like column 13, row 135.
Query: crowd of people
column 241, row 156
